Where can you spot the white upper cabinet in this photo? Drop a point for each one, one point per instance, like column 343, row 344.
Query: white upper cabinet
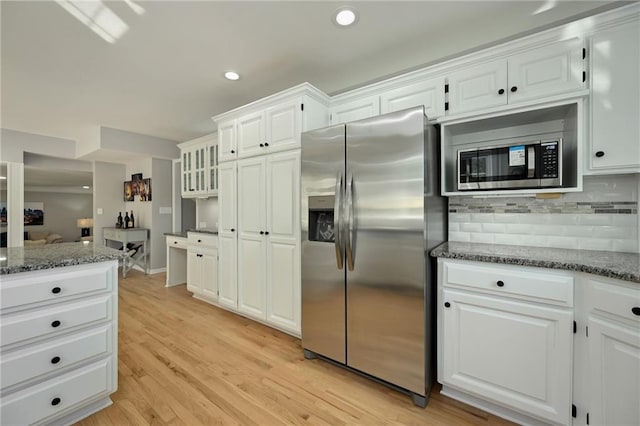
column 345, row 112
column 199, row 167
column 539, row 73
column 283, row 126
column 251, row 135
column 615, row 100
column 429, row 93
column 227, row 140
column 478, row 87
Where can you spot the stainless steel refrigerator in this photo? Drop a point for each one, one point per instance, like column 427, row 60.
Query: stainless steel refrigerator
column 371, row 211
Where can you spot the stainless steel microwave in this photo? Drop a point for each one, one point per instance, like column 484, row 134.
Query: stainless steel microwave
column 533, row 164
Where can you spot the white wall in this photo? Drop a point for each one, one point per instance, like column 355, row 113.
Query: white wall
column 120, row 140
column 108, row 196
column 207, row 213
column 604, row 216
column 61, row 211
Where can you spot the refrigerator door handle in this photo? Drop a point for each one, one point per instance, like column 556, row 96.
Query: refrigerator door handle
column 337, row 219
column 350, row 249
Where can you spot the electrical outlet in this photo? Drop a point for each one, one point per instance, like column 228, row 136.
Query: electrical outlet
column 99, row 211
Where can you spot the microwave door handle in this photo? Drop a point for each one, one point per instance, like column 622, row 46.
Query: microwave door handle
column 337, row 219
column 531, row 162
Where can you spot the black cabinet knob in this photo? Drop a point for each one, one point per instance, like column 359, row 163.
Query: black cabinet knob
column 261, row 232
column 261, row 145
column 447, row 304
column 233, row 230
column 500, row 283
column 175, row 242
column 501, row 92
column 266, row 144
column 55, row 401
column 266, row 232
column 55, row 324
column 636, row 310
column 199, row 241
column 55, row 360
column 514, row 89
column 56, row 290
column 232, row 151
column 600, row 154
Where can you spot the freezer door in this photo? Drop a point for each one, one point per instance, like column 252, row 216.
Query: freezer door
column 323, row 276
column 385, row 244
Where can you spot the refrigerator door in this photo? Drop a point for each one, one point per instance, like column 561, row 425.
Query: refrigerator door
column 323, row 275
column 385, row 248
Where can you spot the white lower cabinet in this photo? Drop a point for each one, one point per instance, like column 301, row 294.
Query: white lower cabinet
column 227, row 269
column 202, row 266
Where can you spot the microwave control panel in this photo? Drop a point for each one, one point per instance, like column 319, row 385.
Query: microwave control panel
column 550, row 157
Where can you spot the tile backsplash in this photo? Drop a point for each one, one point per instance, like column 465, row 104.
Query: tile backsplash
column 604, row 216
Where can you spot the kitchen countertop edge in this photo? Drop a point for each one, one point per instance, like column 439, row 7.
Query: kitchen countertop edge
column 622, row 266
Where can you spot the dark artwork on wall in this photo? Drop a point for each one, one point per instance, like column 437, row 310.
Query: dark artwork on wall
column 33, row 213
column 128, row 191
column 144, row 189
column 136, row 180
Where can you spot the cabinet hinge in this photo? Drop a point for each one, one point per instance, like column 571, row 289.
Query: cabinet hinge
column 301, row 107
column 584, row 76
column 587, row 418
column 446, row 106
column 584, row 53
column 575, row 327
column 446, row 88
column 330, row 117
column 574, row 411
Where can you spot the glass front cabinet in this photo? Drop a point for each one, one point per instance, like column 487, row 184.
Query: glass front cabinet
column 199, row 167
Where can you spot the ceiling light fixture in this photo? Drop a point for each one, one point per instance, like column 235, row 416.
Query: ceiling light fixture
column 231, row 75
column 345, row 16
column 2, row 177
column 85, row 187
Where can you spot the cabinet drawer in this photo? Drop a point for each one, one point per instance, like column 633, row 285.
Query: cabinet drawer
column 55, row 396
column 515, row 281
column 616, row 300
column 46, row 321
column 199, row 239
column 44, row 286
column 36, row 360
column 178, row 242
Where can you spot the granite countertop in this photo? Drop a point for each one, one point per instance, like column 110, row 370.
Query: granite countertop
column 176, row 234
column 204, row 231
column 23, row 259
column 623, row 266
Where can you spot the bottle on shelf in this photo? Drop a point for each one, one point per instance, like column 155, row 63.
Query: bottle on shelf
column 126, row 220
column 133, row 221
column 119, row 220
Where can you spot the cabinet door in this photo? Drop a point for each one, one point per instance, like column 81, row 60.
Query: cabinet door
column 209, row 271
column 227, row 140
column 251, row 134
column 283, row 126
column 213, row 170
column 614, row 351
column 514, row 354
column 615, row 99
column 478, row 87
column 546, row 71
column 227, row 284
column 429, row 94
column 227, row 198
column 355, row 110
column 199, row 174
column 251, row 196
column 194, row 272
column 187, row 171
column 251, row 275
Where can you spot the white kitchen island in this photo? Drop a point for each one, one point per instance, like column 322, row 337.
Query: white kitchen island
column 58, row 332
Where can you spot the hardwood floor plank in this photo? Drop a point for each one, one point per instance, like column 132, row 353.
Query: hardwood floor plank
column 185, row 362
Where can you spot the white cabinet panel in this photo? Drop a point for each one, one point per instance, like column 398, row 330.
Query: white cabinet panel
column 209, row 268
column 355, row 110
column 227, row 197
column 283, row 285
column 283, row 126
column 615, row 99
column 549, row 70
column 511, row 353
column 252, row 276
column 194, row 272
column 227, row 140
column 228, row 287
column 429, row 94
column 251, row 134
column 283, row 183
column 251, row 196
column 478, row 87
column 199, row 167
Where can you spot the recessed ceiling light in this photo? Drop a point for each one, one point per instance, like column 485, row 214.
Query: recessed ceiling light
column 85, row 187
column 2, row 177
column 345, row 16
column 230, row 75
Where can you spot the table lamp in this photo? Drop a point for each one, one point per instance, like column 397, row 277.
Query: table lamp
column 85, row 224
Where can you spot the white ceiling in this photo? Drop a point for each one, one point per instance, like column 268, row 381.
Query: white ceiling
column 163, row 76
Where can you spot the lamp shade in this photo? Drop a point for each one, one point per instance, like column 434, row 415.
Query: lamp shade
column 85, row 222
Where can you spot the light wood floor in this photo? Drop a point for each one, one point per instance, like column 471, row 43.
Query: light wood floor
column 182, row 361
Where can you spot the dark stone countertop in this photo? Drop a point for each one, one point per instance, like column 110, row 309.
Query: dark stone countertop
column 204, row 231
column 24, row 259
column 176, row 234
column 622, row 266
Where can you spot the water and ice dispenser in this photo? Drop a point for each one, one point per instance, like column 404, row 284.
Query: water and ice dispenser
column 321, row 216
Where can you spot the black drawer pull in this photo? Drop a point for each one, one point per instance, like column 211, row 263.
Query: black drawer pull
column 199, row 241
column 600, row 154
column 261, row 145
column 55, row 360
column 232, row 151
column 266, row 144
column 500, row 283
column 56, row 290
column 514, row 89
column 447, row 304
column 175, row 242
column 261, row 232
column 55, row 324
column 501, row 92
column 266, row 232
column 636, row 310
column 55, row 401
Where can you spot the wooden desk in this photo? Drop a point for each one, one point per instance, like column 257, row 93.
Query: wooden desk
column 126, row 236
